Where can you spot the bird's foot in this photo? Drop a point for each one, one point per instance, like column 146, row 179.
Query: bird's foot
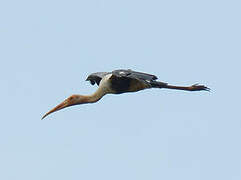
column 197, row 87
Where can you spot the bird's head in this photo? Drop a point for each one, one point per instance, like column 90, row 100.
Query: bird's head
column 70, row 101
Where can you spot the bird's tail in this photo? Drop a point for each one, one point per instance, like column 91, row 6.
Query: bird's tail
column 195, row 87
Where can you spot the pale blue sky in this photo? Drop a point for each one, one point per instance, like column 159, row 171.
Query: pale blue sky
column 47, row 49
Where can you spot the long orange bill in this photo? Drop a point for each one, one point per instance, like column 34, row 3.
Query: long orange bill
column 57, row 108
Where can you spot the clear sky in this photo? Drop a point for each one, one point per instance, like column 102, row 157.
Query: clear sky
column 47, row 49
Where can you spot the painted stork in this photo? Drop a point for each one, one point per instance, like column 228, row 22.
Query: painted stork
column 118, row 82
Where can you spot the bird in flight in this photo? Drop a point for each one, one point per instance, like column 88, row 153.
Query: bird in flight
column 118, row 82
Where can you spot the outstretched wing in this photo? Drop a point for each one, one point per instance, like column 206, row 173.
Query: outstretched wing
column 134, row 75
column 125, row 80
column 130, row 81
column 96, row 77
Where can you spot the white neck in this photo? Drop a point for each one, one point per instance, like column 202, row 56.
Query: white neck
column 104, row 88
